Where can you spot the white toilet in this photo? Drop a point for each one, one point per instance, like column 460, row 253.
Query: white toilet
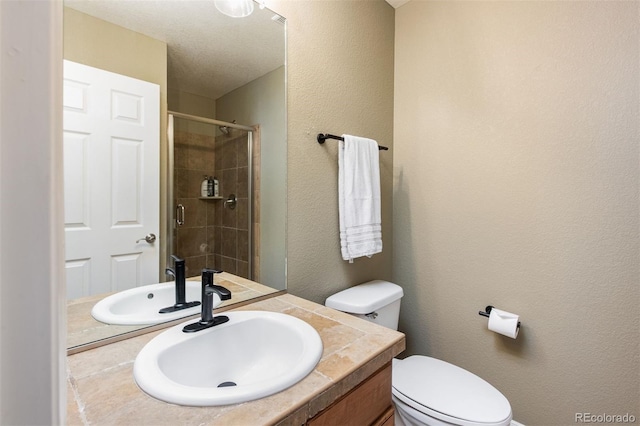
column 425, row 391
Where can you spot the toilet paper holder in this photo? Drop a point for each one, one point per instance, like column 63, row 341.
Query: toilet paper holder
column 487, row 313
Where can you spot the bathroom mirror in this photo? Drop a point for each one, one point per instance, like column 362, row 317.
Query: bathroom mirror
column 212, row 65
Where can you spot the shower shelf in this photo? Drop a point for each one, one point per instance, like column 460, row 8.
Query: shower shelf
column 210, row 198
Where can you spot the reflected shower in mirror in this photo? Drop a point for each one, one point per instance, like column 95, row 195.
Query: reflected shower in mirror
column 214, row 176
column 211, row 72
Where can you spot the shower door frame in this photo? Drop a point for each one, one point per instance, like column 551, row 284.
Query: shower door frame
column 172, row 207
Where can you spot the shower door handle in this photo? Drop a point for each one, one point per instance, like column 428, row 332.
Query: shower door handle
column 180, row 214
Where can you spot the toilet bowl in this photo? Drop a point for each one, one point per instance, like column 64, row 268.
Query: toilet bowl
column 425, row 390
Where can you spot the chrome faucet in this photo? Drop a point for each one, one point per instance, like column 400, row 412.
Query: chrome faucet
column 209, row 288
column 179, row 274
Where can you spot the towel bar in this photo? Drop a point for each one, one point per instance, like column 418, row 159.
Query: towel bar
column 324, row 136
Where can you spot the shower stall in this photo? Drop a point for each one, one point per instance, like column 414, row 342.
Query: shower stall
column 213, row 231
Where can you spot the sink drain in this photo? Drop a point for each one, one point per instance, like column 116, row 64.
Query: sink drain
column 226, row 384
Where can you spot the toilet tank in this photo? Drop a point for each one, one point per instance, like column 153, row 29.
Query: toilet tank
column 376, row 301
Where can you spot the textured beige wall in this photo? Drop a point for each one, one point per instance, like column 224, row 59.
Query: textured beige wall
column 97, row 43
column 189, row 103
column 100, row 44
column 340, row 80
column 516, row 184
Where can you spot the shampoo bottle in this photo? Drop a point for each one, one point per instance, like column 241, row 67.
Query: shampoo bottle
column 204, row 187
column 216, row 187
column 210, row 187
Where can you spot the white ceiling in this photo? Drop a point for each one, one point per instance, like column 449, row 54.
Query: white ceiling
column 208, row 53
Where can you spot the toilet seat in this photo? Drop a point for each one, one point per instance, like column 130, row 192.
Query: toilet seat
column 448, row 393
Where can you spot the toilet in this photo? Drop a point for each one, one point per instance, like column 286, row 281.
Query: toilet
column 425, row 390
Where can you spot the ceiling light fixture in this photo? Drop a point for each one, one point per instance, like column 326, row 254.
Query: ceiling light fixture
column 235, row 8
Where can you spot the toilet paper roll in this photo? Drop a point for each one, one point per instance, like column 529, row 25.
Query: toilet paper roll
column 504, row 323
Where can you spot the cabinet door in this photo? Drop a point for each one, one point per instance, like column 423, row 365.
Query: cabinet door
column 368, row 404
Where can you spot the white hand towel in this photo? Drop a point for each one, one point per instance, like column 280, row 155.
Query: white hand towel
column 359, row 197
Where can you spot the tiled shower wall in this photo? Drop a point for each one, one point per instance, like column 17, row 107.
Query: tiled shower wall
column 213, row 235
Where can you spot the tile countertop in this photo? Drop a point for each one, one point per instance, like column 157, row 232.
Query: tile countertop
column 102, row 390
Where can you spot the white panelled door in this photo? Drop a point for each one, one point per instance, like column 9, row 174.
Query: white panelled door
column 111, row 180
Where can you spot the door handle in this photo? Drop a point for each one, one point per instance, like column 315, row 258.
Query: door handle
column 150, row 238
column 180, row 214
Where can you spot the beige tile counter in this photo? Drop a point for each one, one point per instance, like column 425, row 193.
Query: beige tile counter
column 102, row 390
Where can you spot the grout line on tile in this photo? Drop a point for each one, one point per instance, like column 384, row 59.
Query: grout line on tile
column 109, row 369
column 77, row 399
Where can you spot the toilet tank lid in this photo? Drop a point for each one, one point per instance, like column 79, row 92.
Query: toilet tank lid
column 365, row 298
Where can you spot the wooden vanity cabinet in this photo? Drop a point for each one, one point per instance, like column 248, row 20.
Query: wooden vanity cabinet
column 367, row 404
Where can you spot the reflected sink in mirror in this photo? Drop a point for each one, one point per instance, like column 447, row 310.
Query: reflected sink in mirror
column 253, row 355
column 141, row 305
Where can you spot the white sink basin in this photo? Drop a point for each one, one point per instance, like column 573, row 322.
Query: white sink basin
column 140, row 305
column 253, row 355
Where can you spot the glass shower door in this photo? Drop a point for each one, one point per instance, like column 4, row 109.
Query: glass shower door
column 211, row 231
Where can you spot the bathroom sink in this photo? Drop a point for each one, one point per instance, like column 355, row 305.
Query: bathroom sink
column 140, row 305
column 253, row 355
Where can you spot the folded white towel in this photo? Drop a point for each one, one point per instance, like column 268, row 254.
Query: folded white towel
column 359, row 197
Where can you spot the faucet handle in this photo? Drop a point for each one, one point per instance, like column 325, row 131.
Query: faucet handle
column 208, row 286
column 223, row 292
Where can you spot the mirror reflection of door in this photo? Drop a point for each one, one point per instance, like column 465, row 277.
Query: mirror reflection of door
column 111, row 180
